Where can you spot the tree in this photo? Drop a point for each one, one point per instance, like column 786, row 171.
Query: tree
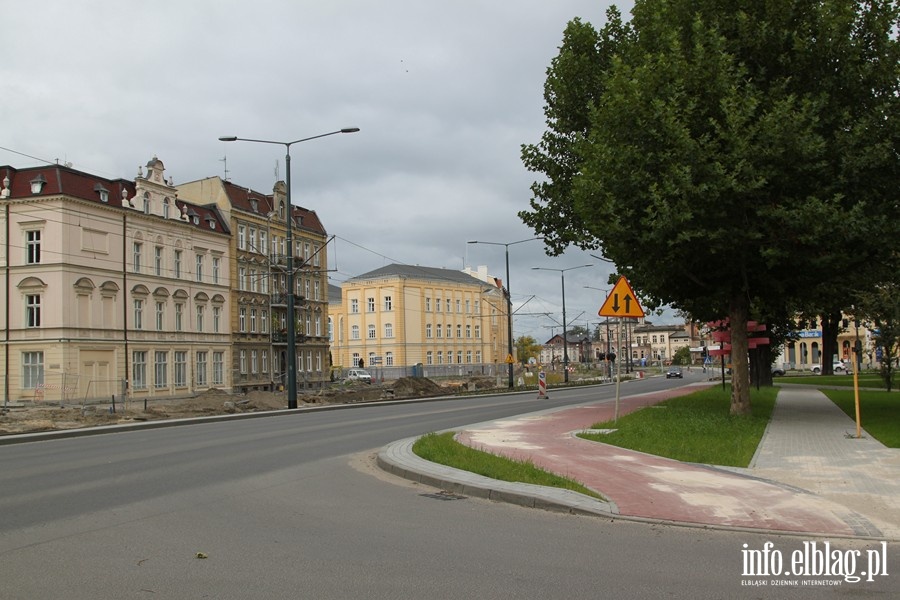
column 882, row 307
column 722, row 154
column 527, row 347
column 682, row 356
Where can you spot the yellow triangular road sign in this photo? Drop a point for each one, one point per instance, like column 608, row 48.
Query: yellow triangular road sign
column 509, row 359
column 621, row 302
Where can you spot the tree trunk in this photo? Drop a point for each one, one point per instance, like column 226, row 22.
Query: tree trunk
column 830, row 324
column 738, row 315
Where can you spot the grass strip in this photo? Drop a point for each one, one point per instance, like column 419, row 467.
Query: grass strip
column 441, row 448
column 879, row 412
column 694, row 428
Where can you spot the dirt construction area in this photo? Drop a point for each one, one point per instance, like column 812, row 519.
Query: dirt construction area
column 30, row 417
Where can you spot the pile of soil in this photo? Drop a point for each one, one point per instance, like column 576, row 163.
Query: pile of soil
column 44, row 417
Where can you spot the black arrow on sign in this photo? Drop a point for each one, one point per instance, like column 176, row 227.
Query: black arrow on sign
column 615, row 305
column 627, row 304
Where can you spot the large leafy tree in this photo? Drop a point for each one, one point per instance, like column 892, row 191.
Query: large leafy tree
column 728, row 156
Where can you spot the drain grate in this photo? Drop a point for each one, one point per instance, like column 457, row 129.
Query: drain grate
column 443, row 495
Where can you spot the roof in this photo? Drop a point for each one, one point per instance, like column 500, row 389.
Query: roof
column 60, row 180
column 242, row 199
column 421, row 273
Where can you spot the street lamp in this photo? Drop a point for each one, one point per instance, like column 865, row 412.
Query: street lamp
column 289, row 240
column 509, row 318
column 608, row 349
column 562, row 273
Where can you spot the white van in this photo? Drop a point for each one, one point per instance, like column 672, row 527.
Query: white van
column 359, row 375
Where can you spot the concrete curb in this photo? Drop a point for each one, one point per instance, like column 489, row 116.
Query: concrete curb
column 399, row 459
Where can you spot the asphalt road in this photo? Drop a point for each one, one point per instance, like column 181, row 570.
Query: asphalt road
column 292, row 507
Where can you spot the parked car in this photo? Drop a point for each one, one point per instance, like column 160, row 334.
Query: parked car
column 777, row 371
column 674, row 372
column 838, row 368
column 358, row 375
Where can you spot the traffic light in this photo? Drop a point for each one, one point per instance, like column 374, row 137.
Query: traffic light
column 611, row 357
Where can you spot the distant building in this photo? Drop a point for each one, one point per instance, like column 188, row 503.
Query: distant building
column 398, row 316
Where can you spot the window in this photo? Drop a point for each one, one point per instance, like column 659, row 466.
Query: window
column 448, row 305
column 458, row 306
column 478, row 332
column 160, row 368
column 264, row 284
column 354, row 305
column 468, row 356
column 265, row 361
column 427, row 304
column 139, row 370
column 253, row 246
column 33, row 310
column 252, row 320
column 242, row 319
column 371, row 332
column 318, row 322
column 242, row 278
column 158, row 260
column 428, row 330
column 242, row 237
column 263, row 241
column 218, row 371
column 217, row 318
column 199, row 267
column 32, row 369
column 264, row 322
column 201, row 368
column 439, row 331
column 32, row 247
column 165, row 208
column 477, row 307
column 136, row 256
column 389, row 359
column 388, row 330
column 459, row 331
column 440, row 357
column 200, row 308
column 355, row 360
column 468, row 331
column 468, row 306
column 354, row 332
column 319, row 362
column 478, row 356
column 177, row 264
column 180, row 368
column 316, row 290
column 216, row 264
column 437, row 305
column 138, row 314
column 243, row 365
column 316, row 255
column 179, row 316
column 387, row 303
column 254, row 361
column 459, row 357
column 160, row 316
column 370, row 304
column 429, row 358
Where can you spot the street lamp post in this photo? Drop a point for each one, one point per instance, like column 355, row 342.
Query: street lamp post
column 608, row 341
column 562, row 273
column 289, row 241
column 509, row 318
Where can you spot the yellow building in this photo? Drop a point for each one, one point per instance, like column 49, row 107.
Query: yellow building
column 391, row 319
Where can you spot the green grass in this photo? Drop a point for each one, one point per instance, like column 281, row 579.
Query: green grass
column 695, row 428
column 867, row 379
column 441, row 448
column 879, row 412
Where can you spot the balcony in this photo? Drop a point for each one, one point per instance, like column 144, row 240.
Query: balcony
column 282, row 300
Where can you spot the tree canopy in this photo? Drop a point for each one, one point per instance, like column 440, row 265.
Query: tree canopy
column 733, row 158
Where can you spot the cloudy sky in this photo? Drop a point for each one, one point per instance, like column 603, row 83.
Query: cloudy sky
column 444, row 95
